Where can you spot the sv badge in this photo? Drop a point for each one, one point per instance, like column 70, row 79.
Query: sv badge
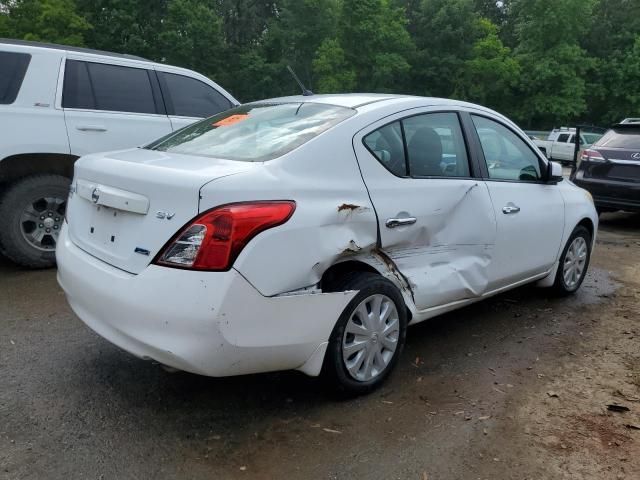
column 165, row 215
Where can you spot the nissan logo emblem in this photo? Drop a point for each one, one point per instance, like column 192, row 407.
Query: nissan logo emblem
column 636, row 156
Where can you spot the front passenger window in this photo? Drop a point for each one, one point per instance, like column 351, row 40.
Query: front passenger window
column 507, row 156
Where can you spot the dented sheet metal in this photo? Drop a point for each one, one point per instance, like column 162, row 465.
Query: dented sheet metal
column 445, row 256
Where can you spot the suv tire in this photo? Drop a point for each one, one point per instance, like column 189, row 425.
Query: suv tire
column 32, row 213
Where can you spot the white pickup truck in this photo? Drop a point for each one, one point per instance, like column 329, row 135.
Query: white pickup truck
column 560, row 144
column 58, row 103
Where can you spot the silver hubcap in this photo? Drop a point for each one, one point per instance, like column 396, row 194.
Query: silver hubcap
column 574, row 262
column 41, row 222
column 371, row 337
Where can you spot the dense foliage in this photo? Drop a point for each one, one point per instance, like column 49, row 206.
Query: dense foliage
column 543, row 62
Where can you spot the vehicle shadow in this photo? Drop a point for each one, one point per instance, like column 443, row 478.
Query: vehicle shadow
column 462, row 341
column 620, row 222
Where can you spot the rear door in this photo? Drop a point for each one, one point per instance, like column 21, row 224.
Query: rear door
column 529, row 212
column 111, row 106
column 436, row 220
column 189, row 99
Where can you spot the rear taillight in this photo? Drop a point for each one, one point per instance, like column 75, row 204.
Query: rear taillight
column 212, row 241
column 594, row 156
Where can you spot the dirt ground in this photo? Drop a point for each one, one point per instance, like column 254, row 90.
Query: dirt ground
column 515, row 387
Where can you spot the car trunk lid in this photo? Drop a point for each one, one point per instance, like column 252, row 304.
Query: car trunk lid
column 126, row 205
column 621, row 165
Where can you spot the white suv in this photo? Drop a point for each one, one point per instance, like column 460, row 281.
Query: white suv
column 58, row 103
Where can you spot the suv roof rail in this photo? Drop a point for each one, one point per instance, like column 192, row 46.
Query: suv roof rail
column 68, row 48
column 630, row 120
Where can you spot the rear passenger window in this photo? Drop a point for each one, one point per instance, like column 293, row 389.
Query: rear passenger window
column 188, row 97
column 13, row 67
column 435, row 146
column 429, row 145
column 107, row 87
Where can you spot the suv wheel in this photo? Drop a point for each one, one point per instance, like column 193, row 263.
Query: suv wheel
column 369, row 336
column 574, row 262
column 31, row 216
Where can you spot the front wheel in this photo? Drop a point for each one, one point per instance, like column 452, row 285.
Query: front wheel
column 574, row 262
column 369, row 336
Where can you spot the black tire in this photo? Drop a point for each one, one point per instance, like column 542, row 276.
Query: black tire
column 560, row 286
column 334, row 369
column 16, row 199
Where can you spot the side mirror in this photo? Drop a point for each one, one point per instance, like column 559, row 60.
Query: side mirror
column 554, row 172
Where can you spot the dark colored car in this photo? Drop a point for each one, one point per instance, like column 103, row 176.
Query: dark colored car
column 610, row 169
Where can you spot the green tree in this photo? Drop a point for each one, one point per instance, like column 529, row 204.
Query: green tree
column 125, row 26
column 332, row 69
column 55, row 21
column 611, row 40
column 445, row 33
column 293, row 37
column 372, row 42
column 554, row 65
column 492, row 72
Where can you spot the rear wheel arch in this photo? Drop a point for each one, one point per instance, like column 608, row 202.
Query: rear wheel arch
column 334, row 277
column 338, row 275
column 21, row 165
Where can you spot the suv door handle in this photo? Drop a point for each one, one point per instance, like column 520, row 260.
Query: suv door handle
column 90, row 128
column 400, row 222
column 509, row 209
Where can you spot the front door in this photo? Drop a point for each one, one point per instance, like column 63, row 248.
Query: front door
column 529, row 212
column 436, row 220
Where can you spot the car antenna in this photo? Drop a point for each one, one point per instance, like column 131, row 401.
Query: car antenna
column 305, row 91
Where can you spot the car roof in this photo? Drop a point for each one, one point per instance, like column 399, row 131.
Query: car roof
column 357, row 100
column 67, row 48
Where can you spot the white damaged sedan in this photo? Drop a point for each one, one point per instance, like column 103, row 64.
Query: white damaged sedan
column 308, row 232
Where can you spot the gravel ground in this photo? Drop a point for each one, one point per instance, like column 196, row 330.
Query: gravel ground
column 515, row 387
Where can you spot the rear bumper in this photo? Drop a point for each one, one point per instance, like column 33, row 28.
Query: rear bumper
column 209, row 323
column 610, row 193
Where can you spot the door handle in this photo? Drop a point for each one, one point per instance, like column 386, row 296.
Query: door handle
column 90, row 128
column 509, row 209
column 400, row 222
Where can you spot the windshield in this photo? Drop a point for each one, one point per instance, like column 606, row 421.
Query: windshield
column 254, row 132
column 626, row 137
column 591, row 138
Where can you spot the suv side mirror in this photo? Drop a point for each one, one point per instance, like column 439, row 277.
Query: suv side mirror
column 554, row 172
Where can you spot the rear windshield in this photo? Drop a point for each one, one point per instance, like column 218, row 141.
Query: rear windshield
column 254, row 132
column 626, row 137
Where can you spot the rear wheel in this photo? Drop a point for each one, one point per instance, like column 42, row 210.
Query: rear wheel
column 31, row 216
column 369, row 336
column 574, row 262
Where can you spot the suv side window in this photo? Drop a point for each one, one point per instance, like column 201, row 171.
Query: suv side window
column 427, row 145
column 14, row 67
column 562, row 138
column 188, row 97
column 507, row 156
column 100, row 86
